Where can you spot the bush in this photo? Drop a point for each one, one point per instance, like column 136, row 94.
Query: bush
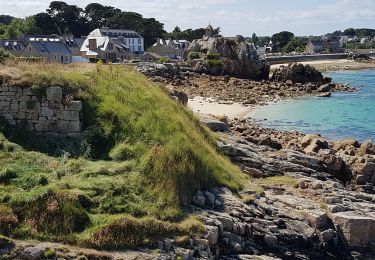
column 52, row 213
column 8, row 221
column 164, row 60
column 215, row 62
column 4, row 55
column 129, row 232
column 212, row 56
column 6, row 175
column 194, row 56
column 49, row 253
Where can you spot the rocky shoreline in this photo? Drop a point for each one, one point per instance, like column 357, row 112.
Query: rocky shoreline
column 226, row 89
column 307, row 198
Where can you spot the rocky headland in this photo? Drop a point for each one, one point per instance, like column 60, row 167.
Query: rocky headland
column 309, row 198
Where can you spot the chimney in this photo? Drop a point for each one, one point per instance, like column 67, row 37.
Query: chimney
column 92, row 44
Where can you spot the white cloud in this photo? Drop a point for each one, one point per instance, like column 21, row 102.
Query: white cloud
column 233, row 16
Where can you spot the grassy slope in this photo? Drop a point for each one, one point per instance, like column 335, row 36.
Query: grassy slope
column 151, row 156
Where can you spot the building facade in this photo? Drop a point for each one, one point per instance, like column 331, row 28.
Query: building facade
column 51, row 50
column 173, row 49
column 133, row 40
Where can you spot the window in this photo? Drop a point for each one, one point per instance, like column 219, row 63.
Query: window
column 139, row 41
column 133, row 41
column 55, row 57
column 139, row 48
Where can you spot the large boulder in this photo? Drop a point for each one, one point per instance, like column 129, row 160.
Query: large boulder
column 224, row 56
column 299, row 73
column 354, row 230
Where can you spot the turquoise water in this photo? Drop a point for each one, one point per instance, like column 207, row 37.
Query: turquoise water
column 341, row 116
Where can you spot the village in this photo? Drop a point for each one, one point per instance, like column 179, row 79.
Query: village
column 123, row 45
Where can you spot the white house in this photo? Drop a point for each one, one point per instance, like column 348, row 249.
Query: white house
column 133, row 40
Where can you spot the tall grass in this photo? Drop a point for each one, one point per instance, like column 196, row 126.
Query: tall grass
column 148, row 155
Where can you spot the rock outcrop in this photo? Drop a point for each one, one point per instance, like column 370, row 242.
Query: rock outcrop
column 298, row 73
column 224, row 56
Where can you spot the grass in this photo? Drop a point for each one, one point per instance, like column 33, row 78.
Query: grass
column 141, row 158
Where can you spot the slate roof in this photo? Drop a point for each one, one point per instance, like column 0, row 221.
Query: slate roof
column 51, row 47
column 115, row 33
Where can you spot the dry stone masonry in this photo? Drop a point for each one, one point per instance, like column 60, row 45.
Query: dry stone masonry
column 50, row 114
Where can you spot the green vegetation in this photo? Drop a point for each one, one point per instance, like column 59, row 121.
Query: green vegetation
column 164, row 60
column 141, row 157
column 194, row 55
column 215, row 62
column 4, row 55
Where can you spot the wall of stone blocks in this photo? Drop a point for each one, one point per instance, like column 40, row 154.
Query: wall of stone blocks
column 48, row 115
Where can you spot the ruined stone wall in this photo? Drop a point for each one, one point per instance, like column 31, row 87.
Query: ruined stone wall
column 47, row 114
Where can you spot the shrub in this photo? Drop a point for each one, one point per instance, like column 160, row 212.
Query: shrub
column 8, row 221
column 164, row 60
column 6, row 175
column 215, row 62
column 4, row 55
column 212, row 56
column 194, row 56
column 49, row 253
column 52, row 213
column 129, row 232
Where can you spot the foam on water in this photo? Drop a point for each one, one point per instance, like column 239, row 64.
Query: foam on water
column 341, row 116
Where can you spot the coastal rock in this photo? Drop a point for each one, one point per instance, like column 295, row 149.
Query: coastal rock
column 214, row 124
column 355, row 230
column 226, row 56
column 326, row 94
column 298, row 73
column 326, row 87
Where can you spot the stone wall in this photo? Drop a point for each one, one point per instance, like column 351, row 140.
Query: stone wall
column 49, row 114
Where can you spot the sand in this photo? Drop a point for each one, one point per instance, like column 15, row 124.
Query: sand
column 210, row 106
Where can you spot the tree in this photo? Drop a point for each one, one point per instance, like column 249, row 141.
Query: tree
column 45, row 24
column 281, row 39
column 97, row 15
column 6, row 19
column 254, row 39
column 128, row 20
column 68, row 18
column 151, row 30
column 350, row 32
column 296, row 44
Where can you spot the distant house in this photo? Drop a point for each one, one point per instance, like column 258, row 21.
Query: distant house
column 343, row 41
column 133, row 40
column 51, row 50
column 314, row 46
column 73, row 44
column 104, row 48
column 324, row 44
column 261, row 51
column 15, row 47
column 172, row 49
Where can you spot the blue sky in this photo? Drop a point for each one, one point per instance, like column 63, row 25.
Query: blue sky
column 302, row 17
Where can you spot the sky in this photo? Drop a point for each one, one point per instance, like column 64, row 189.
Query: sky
column 263, row 17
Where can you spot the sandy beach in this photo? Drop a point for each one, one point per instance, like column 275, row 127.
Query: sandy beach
column 334, row 65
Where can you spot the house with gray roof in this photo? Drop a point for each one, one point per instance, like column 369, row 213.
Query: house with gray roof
column 50, row 49
column 104, row 48
column 15, row 47
column 173, row 49
column 132, row 39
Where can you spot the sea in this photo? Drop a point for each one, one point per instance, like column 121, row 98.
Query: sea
column 343, row 115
